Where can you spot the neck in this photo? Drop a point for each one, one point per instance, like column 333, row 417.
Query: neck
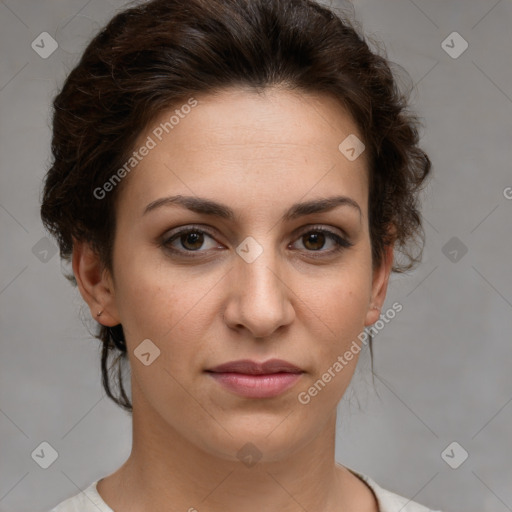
column 165, row 468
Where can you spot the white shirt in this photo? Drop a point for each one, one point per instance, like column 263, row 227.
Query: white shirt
column 90, row 501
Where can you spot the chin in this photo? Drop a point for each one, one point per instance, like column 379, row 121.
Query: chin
column 252, row 440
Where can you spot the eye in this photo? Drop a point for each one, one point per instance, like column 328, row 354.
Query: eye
column 315, row 238
column 189, row 239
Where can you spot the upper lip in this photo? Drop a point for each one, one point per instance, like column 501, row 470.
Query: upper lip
column 249, row 367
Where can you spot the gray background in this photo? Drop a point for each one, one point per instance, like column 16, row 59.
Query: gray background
column 442, row 366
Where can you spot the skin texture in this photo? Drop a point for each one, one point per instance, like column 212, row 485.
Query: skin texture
column 258, row 154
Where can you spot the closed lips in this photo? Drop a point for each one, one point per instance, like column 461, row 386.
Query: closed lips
column 248, row 367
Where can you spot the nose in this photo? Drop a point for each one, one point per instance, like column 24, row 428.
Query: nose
column 260, row 300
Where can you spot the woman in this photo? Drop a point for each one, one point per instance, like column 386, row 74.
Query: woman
column 230, row 180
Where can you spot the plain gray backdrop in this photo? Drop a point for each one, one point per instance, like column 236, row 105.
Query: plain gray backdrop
column 442, row 366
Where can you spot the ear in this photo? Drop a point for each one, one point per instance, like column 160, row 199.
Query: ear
column 379, row 286
column 95, row 284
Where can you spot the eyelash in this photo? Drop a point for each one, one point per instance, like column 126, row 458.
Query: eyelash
column 341, row 243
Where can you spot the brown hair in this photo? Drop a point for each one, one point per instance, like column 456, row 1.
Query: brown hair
column 152, row 56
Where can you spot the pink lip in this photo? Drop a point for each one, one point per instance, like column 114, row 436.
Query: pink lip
column 257, row 380
column 257, row 386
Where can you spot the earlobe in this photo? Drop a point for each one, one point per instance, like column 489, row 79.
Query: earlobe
column 380, row 285
column 95, row 284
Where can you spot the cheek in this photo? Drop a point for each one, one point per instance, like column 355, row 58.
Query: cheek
column 145, row 295
column 342, row 298
column 339, row 308
column 164, row 304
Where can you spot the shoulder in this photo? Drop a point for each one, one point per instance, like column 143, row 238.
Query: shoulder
column 90, row 501
column 86, row 501
column 389, row 501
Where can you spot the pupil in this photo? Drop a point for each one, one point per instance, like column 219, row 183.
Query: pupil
column 316, row 237
column 196, row 237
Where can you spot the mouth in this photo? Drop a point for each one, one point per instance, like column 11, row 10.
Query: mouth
column 251, row 379
column 249, row 367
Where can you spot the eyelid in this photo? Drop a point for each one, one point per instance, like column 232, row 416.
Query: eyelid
column 341, row 241
column 322, row 227
column 189, row 227
column 296, row 232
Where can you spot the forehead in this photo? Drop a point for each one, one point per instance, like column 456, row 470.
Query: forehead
column 255, row 149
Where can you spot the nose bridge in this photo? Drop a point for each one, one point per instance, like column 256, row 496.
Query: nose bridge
column 257, row 268
column 258, row 288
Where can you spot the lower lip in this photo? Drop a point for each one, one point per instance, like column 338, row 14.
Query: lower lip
column 257, row 386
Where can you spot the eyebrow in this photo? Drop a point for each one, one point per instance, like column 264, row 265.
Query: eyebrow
column 208, row 207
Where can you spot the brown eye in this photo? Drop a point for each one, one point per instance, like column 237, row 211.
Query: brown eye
column 194, row 238
column 314, row 240
column 189, row 240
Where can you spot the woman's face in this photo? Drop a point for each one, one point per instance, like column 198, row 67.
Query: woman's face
column 255, row 279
